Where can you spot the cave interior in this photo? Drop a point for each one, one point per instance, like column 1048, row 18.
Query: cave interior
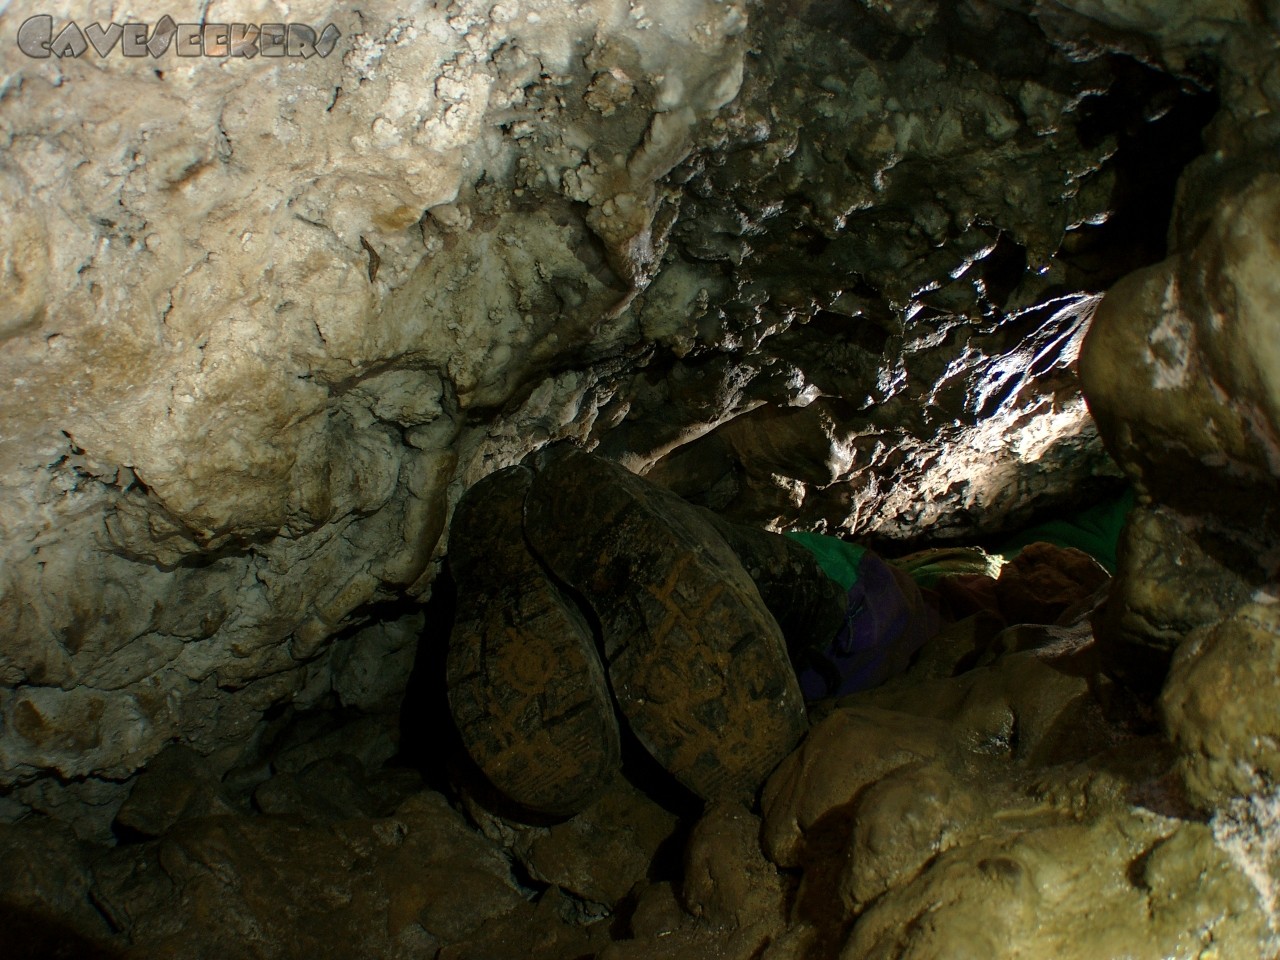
column 924, row 277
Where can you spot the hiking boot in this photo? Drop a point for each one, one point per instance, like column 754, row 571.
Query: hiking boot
column 526, row 687
column 697, row 664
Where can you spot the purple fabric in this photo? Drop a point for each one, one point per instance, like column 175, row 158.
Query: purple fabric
column 883, row 628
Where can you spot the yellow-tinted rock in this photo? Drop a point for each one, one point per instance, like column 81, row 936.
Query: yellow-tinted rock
column 1118, row 886
column 604, row 851
column 846, row 752
column 902, row 822
column 727, row 880
column 1221, row 706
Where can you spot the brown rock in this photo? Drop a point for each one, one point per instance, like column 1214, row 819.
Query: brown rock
column 603, row 852
column 899, row 824
column 1050, row 888
column 727, row 880
column 657, row 913
column 45, row 904
column 849, row 750
column 546, row 930
column 1188, row 402
column 1220, row 706
column 1168, row 584
column 1182, row 375
column 416, row 880
column 176, row 785
column 1044, row 581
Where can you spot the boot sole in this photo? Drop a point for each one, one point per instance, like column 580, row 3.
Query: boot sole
column 697, row 664
column 525, row 684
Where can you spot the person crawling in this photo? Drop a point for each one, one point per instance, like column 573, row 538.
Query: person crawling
column 589, row 597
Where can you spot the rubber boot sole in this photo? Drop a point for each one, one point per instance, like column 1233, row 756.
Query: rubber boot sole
column 808, row 605
column 697, row 664
column 525, row 684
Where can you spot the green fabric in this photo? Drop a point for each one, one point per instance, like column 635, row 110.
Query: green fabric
column 838, row 558
column 1096, row 531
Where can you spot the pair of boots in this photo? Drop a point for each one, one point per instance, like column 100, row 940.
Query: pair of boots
column 581, row 588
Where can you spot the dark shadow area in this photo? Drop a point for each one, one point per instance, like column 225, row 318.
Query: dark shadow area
column 869, row 35
column 429, row 741
column 1001, row 271
column 28, row 935
column 862, row 332
column 126, row 836
column 818, row 901
column 1157, row 122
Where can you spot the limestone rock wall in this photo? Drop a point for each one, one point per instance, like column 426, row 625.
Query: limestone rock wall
column 810, row 264
column 251, row 307
column 1182, row 372
column 263, row 319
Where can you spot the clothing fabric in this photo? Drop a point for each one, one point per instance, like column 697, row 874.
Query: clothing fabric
column 1095, row 530
column 927, row 567
column 891, row 609
column 838, row 558
column 887, row 620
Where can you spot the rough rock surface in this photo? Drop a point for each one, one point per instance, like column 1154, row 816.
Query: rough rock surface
column 1182, row 374
column 1016, row 809
column 808, row 264
column 1198, row 429
column 265, row 318
column 1023, row 807
column 598, row 856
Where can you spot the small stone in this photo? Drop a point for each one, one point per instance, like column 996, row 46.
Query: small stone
column 177, row 784
column 603, row 852
column 727, row 880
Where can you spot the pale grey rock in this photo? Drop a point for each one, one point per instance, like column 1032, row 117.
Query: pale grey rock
column 88, row 806
column 370, row 670
column 236, row 426
column 78, row 732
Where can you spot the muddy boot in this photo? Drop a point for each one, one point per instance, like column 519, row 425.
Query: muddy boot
column 698, row 665
column 808, row 605
column 526, row 687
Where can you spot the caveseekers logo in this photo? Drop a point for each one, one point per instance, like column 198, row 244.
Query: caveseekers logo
column 37, row 39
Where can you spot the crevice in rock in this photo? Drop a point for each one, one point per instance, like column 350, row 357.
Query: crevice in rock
column 1155, row 121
